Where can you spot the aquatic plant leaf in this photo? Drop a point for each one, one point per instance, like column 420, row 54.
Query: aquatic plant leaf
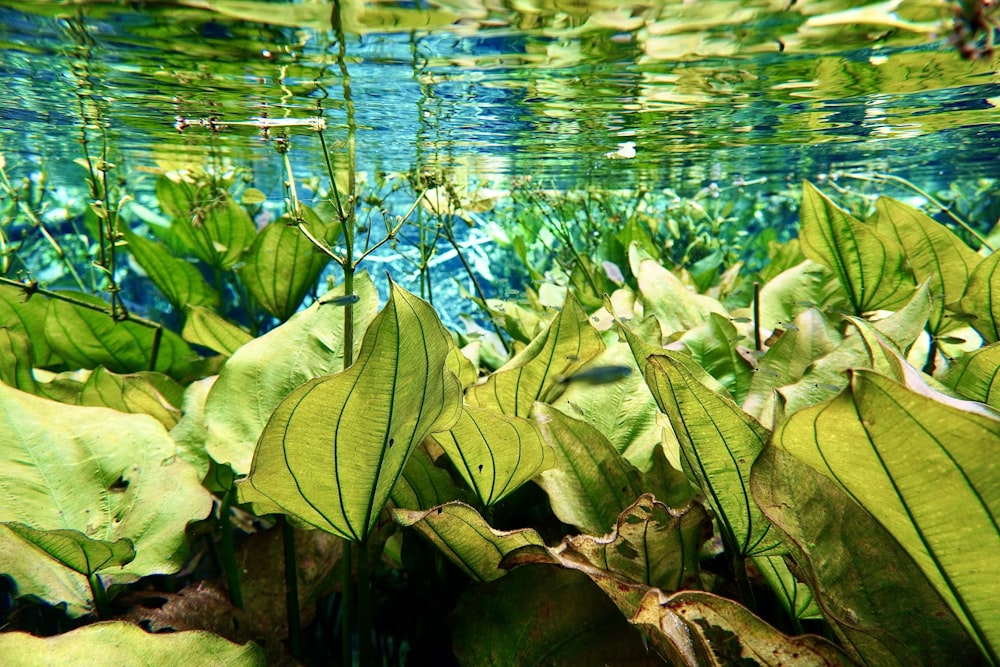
column 106, row 474
column 807, row 284
column 719, row 443
column 788, row 360
column 981, row 301
column 868, row 264
column 795, row 596
column 333, row 448
column 869, row 589
column 423, row 484
column 932, row 252
column 75, row 550
column 120, row 643
column 282, row 265
column 675, row 305
column 262, row 372
column 179, row 280
column 466, row 539
column 713, row 345
column 15, row 361
column 543, row 615
column 142, row 393
column 976, row 375
column 650, row 543
column 86, row 338
column 209, row 329
column 190, row 434
column 880, row 441
column 624, row 411
column 535, row 373
column 589, row 483
column 27, row 316
column 494, row 453
column 699, row 629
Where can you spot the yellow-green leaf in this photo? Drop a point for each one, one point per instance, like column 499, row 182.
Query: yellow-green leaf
column 982, row 298
column 209, row 329
column 75, row 550
column 333, row 448
column 179, row 280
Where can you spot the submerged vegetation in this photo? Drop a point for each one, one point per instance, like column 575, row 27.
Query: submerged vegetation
column 651, row 453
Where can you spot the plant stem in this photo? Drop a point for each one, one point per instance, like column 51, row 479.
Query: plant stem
column 291, row 588
column 228, row 555
column 364, row 607
column 756, row 317
column 101, row 602
column 346, row 645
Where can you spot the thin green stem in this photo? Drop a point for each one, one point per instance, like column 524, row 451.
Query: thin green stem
column 228, row 555
column 101, row 602
column 364, row 607
column 291, row 588
column 448, row 234
column 346, row 608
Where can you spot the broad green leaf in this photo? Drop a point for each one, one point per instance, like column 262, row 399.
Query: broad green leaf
column 981, row 300
column 788, row 359
column 932, row 253
column 27, row 316
column 465, row 538
column 795, row 596
column 106, row 474
column 463, row 368
column 881, row 442
column 117, row 643
column 650, row 543
column 719, row 443
column 976, row 375
column 190, row 434
column 868, row 264
column 282, row 266
column 262, row 372
column 179, row 280
column 624, row 411
column 209, row 329
column 75, row 550
column 674, row 304
column 135, row 393
column 713, row 345
column 878, row 603
column 589, row 483
column 494, row 453
column 87, row 339
column 698, row 629
column 206, row 221
column 333, row 448
column 423, row 484
column 792, row 291
column 15, row 361
column 566, row 344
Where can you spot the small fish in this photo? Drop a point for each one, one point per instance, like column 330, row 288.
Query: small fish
column 341, row 300
column 598, row 375
column 787, row 325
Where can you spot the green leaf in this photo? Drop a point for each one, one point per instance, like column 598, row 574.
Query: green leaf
column 976, row 375
column 566, row 344
column 674, row 304
column 136, row 393
column 719, row 443
column 795, row 596
column 27, row 318
column 713, row 345
column 495, row 454
column 423, row 484
column 876, row 599
column 117, row 643
column 190, row 434
column 179, row 280
column 540, row 615
column 881, row 442
column 75, row 550
column 868, row 264
column 932, row 252
column 981, row 300
column 786, row 295
column 106, row 474
column 465, row 538
column 15, row 361
column 209, row 329
column 262, row 372
column 87, row 339
column 333, row 448
column 282, row 266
